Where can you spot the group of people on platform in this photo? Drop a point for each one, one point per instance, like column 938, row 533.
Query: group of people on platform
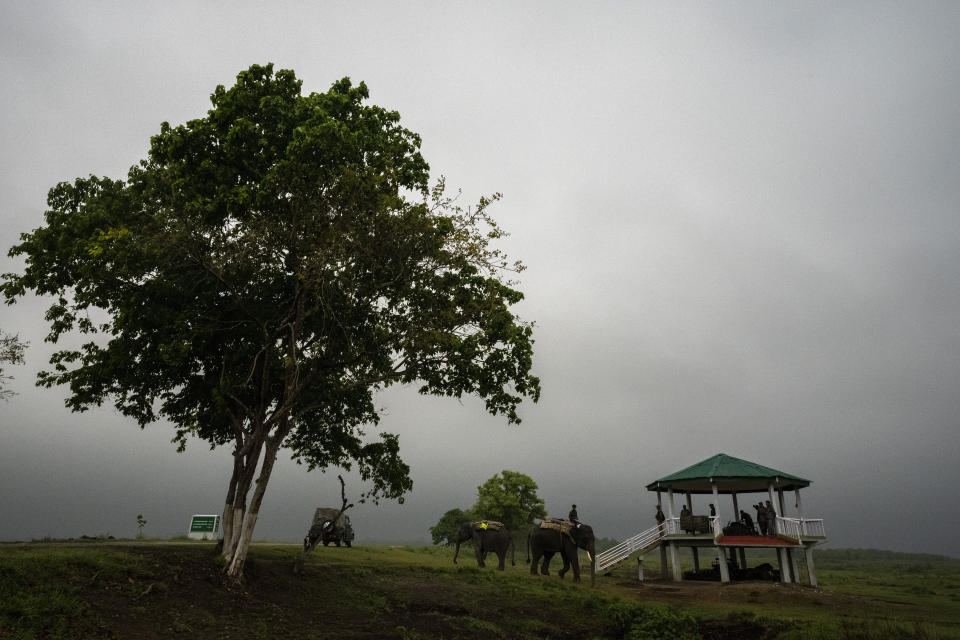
column 766, row 518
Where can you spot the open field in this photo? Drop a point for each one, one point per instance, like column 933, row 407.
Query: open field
column 174, row 589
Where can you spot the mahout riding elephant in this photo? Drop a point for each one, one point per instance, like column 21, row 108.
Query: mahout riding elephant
column 487, row 536
column 565, row 537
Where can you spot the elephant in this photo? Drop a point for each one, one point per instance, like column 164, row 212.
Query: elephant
column 544, row 542
column 486, row 536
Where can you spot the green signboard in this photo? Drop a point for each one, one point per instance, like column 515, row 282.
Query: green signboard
column 204, row 527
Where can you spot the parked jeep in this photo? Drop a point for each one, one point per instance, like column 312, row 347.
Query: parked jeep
column 329, row 525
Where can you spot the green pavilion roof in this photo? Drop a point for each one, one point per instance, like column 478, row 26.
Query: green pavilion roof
column 730, row 475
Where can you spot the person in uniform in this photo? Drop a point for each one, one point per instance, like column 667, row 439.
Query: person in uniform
column 573, row 513
column 761, row 517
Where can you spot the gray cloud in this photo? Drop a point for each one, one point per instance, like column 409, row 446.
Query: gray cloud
column 740, row 225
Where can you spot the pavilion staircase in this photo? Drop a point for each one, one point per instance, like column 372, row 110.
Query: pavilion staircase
column 645, row 541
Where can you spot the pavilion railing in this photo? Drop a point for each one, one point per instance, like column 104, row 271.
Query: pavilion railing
column 798, row 528
column 672, row 526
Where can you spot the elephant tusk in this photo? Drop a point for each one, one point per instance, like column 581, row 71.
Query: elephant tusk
column 589, row 557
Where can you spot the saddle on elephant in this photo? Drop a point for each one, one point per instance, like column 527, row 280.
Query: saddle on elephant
column 558, row 524
column 491, row 525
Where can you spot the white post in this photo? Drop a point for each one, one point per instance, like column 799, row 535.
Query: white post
column 784, row 561
column 799, row 506
column 810, row 570
column 675, row 560
column 724, row 569
column 782, row 558
column 772, row 526
column 736, row 507
column 716, row 497
column 670, row 504
column 783, row 510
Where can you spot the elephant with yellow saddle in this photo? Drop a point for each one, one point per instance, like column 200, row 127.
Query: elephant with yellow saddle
column 487, row 536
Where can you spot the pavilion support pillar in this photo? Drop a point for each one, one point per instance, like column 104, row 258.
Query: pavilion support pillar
column 696, row 558
column 736, row 507
column 811, row 572
column 663, row 561
column 783, row 559
column 724, row 569
column 716, row 500
column 670, row 507
column 783, row 564
column 675, row 561
column 794, row 564
column 777, row 510
column 743, row 558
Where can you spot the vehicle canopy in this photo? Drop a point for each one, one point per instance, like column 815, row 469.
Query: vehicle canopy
column 326, row 514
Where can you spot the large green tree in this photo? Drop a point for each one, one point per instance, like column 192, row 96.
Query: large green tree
column 445, row 531
column 511, row 498
column 263, row 272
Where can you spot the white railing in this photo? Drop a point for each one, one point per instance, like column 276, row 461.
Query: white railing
column 672, row 526
column 813, row 528
column 798, row 528
column 622, row 551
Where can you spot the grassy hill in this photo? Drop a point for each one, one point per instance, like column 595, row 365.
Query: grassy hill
column 175, row 589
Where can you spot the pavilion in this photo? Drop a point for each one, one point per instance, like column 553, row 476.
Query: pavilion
column 726, row 475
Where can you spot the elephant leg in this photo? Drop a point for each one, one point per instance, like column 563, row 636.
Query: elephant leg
column 479, row 548
column 545, row 568
column 575, row 562
column 566, row 564
column 536, row 561
column 503, row 559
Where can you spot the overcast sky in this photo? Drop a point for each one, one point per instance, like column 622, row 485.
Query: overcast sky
column 740, row 222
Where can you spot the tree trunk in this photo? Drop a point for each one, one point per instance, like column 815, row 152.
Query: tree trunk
column 226, row 529
column 245, row 466
column 244, row 534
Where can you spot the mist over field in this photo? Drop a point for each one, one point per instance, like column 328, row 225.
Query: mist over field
column 739, row 221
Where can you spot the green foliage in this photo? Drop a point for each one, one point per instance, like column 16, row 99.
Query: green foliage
column 11, row 351
column 266, row 270
column 41, row 590
column 143, row 590
column 639, row 622
column 445, row 531
column 511, row 498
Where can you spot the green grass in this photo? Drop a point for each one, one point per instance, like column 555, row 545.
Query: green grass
column 162, row 590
